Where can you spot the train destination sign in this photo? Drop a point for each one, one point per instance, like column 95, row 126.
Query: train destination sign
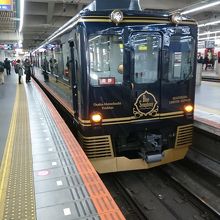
column 6, row 5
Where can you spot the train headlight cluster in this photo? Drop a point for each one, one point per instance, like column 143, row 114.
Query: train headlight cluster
column 117, row 16
column 176, row 18
column 96, row 118
column 188, row 108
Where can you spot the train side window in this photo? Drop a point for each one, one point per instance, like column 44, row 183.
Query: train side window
column 146, row 53
column 180, row 58
column 106, row 54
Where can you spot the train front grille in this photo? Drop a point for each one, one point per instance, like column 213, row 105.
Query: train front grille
column 184, row 135
column 96, row 146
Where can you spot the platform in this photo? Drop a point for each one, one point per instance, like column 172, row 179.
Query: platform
column 210, row 74
column 207, row 107
column 44, row 172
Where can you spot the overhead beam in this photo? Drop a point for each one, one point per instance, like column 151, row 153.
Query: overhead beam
column 8, row 37
column 50, row 12
column 79, row 7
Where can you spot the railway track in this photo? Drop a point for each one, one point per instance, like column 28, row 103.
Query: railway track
column 124, row 197
column 159, row 193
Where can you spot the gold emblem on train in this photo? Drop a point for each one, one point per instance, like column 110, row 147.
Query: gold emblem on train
column 145, row 105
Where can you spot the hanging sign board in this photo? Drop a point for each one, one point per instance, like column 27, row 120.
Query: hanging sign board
column 6, row 5
column 209, row 44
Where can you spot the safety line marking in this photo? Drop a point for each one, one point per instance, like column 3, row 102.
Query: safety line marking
column 7, row 156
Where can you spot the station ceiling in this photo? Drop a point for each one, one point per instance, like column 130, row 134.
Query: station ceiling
column 43, row 17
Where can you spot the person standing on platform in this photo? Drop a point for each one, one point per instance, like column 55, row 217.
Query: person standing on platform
column 206, row 61
column 27, row 70
column 51, row 61
column 55, row 67
column 212, row 62
column 45, row 66
column 2, row 81
column 200, row 60
column 19, row 70
column 7, row 66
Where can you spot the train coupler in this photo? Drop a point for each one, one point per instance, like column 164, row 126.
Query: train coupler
column 151, row 158
column 152, row 147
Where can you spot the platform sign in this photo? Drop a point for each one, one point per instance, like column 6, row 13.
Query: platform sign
column 209, row 44
column 6, row 46
column 201, row 44
column 6, row 5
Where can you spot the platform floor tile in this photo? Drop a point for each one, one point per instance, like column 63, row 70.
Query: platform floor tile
column 57, row 181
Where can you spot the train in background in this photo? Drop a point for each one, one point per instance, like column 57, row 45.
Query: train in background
column 132, row 74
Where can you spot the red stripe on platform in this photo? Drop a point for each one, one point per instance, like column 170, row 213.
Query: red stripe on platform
column 102, row 200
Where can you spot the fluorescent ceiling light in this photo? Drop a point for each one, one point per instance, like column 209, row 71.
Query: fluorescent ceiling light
column 21, row 15
column 209, row 32
column 209, row 23
column 201, row 7
column 62, row 31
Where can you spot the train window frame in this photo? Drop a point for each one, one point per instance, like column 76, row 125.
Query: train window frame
column 110, row 70
column 144, row 48
column 175, row 60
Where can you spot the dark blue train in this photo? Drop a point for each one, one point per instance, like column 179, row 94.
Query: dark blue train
column 132, row 74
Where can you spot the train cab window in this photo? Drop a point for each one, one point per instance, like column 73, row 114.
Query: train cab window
column 146, row 53
column 106, row 54
column 180, row 61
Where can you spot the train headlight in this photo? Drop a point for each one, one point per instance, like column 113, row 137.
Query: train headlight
column 176, row 18
column 188, row 108
column 117, row 16
column 96, row 118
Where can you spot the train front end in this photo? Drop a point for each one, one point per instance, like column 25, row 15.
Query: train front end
column 136, row 111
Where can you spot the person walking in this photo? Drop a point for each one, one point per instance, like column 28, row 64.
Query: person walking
column 19, row 70
column 27, row 70
column 2, row 81
column 7, row 65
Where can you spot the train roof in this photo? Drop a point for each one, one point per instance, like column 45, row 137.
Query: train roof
column 128, row 7
column 97, row 9
column 147, row 13
column 135, row 15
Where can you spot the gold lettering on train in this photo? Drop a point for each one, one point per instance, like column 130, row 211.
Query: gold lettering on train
column 107, row 105
column 179, row 99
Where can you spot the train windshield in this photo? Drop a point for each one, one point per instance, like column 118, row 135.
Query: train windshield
column 180, row 58
column 106, row 56
column 146, row 57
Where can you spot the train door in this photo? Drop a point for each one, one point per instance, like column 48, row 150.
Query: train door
column 178, row 76
column 74, row 68
column 145, row 74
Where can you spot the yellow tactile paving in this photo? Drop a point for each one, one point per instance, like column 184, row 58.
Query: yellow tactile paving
column 16, row 177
